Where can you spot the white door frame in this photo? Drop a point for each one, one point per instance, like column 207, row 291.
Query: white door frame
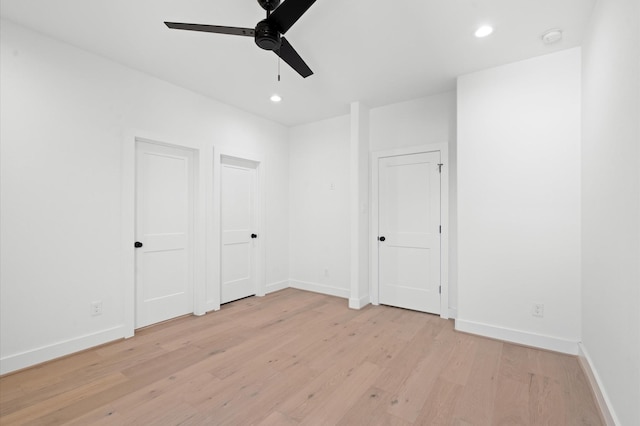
column 213, row 300
column 128, row 218
column 443, row 148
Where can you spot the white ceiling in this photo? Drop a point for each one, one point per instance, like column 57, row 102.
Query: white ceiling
column 377, row 52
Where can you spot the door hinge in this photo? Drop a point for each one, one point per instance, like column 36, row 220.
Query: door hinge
column 440, row 289
column 440, row 167
column 440, row 229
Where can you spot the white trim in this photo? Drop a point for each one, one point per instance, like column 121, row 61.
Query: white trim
column 359, row 303
column 358, row 211
column 273, row 287
column 211, row 307
column 200, row 233
column 443, row 148
column 66, row 347
column 517, row 336
column 453, row 313
column 128, row 233
column 320, row 288
column 128, row 218
column 354, row 201
column 602, row 398
column 373, row 232
column 215, row 238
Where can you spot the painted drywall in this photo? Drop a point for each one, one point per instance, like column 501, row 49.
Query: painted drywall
column 418, row 122
column 519, row 201
column 319, row 192
column 320, row 155
column 64, row 113
column 611, row 204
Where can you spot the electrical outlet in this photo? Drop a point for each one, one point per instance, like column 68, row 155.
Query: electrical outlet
column 96, row 308
column 537, row 310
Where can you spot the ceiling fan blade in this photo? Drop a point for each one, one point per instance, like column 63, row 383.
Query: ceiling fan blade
column 249, row 32
column 291, row 57
column 289, row 12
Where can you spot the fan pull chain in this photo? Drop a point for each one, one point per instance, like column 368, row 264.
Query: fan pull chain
column 278, row 68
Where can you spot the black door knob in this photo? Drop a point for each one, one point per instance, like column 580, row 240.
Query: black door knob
column 381, row 238
column 254, row 236
column 137, row 244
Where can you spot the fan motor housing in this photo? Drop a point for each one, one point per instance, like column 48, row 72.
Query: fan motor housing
column 269, row 4
column 267, row 36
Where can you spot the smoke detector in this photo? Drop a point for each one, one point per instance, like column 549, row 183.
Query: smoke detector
column 552, row 36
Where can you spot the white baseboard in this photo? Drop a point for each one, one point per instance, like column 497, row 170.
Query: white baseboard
column 211, row 306
column 602, row 399
column 453, row 313
column 47, row 353
column 320, row 288
column 277, row 286
column 359, row 303
column 518, row 336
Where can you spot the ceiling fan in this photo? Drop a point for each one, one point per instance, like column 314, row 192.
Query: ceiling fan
column 268, row 33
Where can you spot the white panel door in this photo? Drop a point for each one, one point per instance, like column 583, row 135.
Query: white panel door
column 239, row 230
column 164, row 227
column 409, row 231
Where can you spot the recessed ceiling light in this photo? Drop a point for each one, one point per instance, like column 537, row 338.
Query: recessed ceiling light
column 483, row 31
column 276, row 98
column 552, row 36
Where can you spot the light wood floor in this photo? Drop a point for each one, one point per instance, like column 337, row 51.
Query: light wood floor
column 295, row 357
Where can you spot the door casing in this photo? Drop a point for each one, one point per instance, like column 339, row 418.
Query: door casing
column 215, row 246
column 159, row 150
column 128, row 219
column 254, row 244
column 444, row 214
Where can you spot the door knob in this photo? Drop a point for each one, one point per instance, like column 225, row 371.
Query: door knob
column 254, row 236
column 381, row 238
column 137, row 244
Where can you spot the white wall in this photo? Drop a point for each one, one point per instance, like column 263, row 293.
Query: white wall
column 63, row 116
column 519, row 201
column 418, row 122
column 611, row 204
column 320, row 215
column 320, row 154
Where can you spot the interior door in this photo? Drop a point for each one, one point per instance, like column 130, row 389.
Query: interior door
column 239, row 228
column 409, row 231
column 164, row 232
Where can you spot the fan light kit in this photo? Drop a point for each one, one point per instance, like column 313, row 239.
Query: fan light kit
column 483, row 31
column 268, row 33
column 276, row 98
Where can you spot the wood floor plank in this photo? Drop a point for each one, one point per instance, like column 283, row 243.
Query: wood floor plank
column 406, row 361
column 276, row 418
column 295, row 357
column 475, row 405
column 511, row 405
column 371, row 410
column 546, row 405
column 458, row 368
column 334, row 406
column 440, row 404
column 580, row 405
column 51, row 405
column 414, row 391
